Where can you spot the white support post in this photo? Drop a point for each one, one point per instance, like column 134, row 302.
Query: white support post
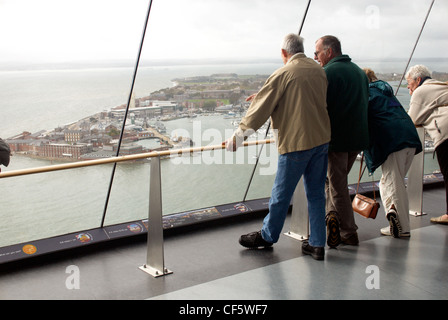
column 415, row 179
column 300, row 226
column 155, row 255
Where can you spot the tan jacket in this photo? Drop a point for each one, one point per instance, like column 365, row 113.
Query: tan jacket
column 429, row 108
column 294, row 97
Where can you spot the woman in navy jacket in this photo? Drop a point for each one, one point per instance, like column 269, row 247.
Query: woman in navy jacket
column 393, row 142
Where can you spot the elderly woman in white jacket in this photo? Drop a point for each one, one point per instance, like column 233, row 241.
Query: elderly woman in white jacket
column 429, row 108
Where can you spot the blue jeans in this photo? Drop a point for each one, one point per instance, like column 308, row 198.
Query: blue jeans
column 312, row 165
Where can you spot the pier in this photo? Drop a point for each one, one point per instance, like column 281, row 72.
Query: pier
column 165, row 139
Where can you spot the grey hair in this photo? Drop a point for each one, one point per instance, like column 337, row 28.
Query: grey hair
column 333, row 43
column 418, row 71
column 293, row 44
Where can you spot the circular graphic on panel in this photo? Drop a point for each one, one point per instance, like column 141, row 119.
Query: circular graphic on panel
column 84, row 237
column 135, row 228
column 29, row 249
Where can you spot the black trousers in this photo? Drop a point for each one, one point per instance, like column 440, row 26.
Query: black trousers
column 442, row 158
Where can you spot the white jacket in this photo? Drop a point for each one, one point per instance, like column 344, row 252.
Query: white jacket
column 429, row 108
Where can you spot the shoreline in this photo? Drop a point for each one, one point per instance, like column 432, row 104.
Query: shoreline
column 186, row 89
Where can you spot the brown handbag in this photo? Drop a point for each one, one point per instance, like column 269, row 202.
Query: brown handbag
column 365, row 206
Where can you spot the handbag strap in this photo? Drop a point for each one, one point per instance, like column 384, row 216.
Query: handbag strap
column 361, row 172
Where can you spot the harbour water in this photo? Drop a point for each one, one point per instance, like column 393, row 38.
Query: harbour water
column 45, row 205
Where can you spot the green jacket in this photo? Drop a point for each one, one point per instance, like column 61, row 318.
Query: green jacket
column 347, row 101
column 390, row 127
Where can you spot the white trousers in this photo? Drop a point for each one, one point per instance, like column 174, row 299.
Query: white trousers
column 392, row 187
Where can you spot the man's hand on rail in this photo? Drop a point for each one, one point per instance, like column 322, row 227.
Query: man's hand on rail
column 233, row 143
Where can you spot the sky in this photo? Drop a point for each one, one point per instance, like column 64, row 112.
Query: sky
column 81, row 30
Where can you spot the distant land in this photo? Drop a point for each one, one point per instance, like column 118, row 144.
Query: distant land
column 62, row 65
column 22, row 66
column 96, row 136
column 441, row 76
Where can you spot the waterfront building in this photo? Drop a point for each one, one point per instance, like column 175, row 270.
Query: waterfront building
column 73, row 136
column 67, row 151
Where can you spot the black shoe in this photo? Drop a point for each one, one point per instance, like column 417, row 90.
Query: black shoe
column 394, row 223
column 318, row 253
column 333, row 233
column 351, row 240
column 254, row 240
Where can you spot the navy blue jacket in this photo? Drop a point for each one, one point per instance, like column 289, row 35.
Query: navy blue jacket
column 390, row 127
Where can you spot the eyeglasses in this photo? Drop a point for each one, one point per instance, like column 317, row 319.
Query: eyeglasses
column 317, row 52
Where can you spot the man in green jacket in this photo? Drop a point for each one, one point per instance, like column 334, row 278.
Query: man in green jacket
column 347, row 103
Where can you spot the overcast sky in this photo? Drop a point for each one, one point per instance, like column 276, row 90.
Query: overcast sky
column 67, row 30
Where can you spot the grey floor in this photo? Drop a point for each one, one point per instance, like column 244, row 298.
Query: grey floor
column 381, row 268
column 209, row 264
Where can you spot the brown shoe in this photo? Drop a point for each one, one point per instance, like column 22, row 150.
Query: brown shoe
column 442, row 219
column 351, row 240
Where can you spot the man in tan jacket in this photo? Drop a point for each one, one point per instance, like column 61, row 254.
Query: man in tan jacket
column 294, row 97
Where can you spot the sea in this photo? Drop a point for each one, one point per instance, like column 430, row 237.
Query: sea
column 49, row 204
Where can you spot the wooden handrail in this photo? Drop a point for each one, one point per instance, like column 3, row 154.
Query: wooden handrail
column 139, row 156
